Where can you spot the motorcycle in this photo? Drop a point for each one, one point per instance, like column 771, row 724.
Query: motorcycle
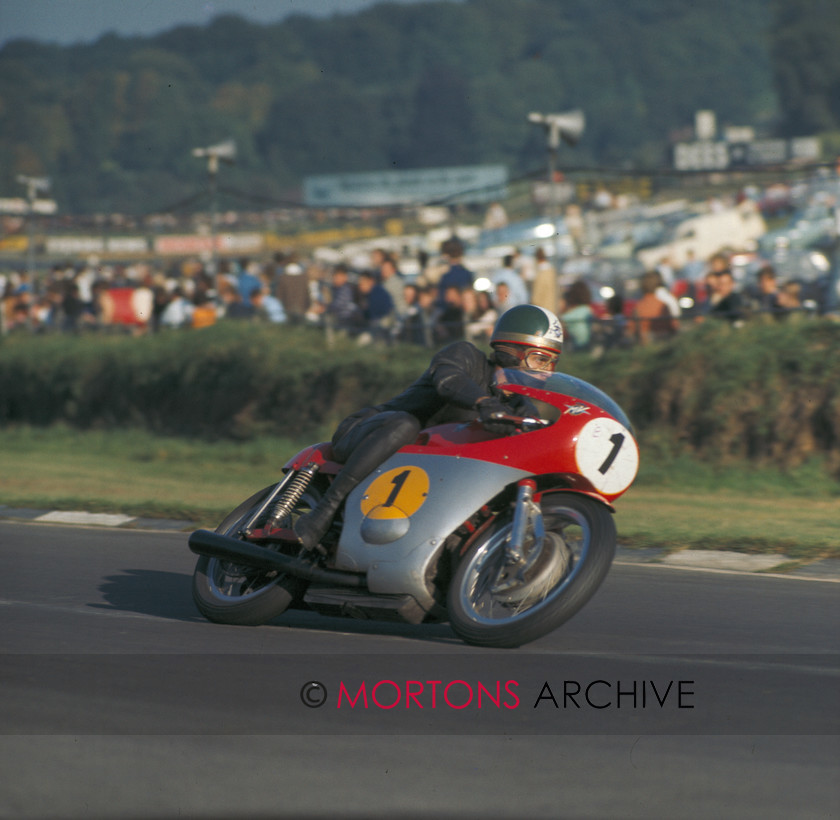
column 505, row 537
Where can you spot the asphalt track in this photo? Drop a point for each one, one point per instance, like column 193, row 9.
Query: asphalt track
column 674, row 694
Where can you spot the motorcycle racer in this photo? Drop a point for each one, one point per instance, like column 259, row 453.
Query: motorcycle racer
column 457, row 385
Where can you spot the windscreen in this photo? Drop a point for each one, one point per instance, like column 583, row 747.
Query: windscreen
column 565, row 385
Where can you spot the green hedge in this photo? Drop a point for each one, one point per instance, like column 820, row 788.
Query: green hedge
column 766, row 392
column 228, row 380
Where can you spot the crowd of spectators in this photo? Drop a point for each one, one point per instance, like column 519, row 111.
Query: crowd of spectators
column 377, row 303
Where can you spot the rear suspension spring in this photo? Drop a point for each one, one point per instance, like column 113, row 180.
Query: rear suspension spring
column 292, row 494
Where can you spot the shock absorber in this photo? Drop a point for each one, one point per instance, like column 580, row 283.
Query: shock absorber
column 291, row 494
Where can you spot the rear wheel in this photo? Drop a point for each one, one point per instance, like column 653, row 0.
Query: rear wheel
column 230, row 593
column 493, row 602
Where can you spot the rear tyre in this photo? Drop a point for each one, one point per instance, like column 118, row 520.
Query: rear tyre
column 230, row 593
column 492, row 603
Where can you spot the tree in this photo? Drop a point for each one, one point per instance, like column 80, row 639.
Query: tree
column 805, row 49
column 443, row 130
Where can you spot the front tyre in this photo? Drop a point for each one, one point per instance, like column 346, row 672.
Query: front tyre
column 494, row 603
column 230, row 593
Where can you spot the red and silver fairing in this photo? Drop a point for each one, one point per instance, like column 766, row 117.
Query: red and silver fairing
column 403, row 512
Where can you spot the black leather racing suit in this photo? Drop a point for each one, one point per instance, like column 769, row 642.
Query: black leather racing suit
column 457, row 377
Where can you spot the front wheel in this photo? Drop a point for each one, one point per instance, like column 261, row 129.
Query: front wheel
column 494, row 602
column 230, row 593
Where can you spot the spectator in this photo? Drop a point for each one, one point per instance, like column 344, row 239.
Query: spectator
column 724, row 302
column 204, row 313
column 343, row 309
column 503, row 301
column 456, row 276
column 178, row 312
column 665, row 296
column 610, row 332
column 525, row 266
column 517, row 290
column 652, row 321
column 267, row 307
column 232, row 305
column 161, row 297
column 544, row 290
column 768, row 292
column 72, row 308
column 496, row 217
column 316, row 283
column 718, row 262
column 577, row 315
column 417, row 324
column 394, row 282
column 479, row 315
column 790, row 296
column 377, row 306
column 693, row 269
column 103, row 305
column 665, row 269
column 448, row 321
column 432, row 269
column 19, row 318
column 40, row 315
column 292, row 289
column 377, row 257
column 247, row 280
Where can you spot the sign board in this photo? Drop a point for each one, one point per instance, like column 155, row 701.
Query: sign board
column 702, row 155
column 19, row 205
column 197, row 244
column 456, row 185
column 719, row 155
column 170, row 245
column 81, row 245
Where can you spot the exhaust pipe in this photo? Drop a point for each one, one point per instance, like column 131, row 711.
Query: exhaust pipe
column 216, row 545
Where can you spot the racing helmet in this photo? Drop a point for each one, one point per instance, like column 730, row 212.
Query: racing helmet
column 526, row 330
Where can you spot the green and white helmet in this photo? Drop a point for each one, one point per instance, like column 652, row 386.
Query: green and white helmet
column 529, row 326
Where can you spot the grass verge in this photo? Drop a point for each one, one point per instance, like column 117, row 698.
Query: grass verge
column 134, row 472
column 677, row 502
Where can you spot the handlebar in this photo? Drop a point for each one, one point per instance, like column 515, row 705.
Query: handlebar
column 524, row 423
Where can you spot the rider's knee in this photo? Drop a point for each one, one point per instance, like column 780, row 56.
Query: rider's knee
column 402, row 428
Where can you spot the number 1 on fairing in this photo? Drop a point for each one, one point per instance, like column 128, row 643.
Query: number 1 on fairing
column 617, row 439
column 398, row 482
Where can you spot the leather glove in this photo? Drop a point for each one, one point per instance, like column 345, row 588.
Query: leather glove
column 487, row 408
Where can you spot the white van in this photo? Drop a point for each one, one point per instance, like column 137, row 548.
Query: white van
column 702, row 236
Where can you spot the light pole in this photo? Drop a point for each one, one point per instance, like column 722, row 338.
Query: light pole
column 567, row 127
column 33, row 186
column 226, row 152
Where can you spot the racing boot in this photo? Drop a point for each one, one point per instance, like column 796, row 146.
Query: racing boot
column 394, row 429
column 313, row 526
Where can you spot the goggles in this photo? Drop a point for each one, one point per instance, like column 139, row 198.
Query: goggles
column 535, row 359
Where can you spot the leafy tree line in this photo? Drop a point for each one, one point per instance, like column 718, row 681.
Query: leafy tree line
column 401, row 86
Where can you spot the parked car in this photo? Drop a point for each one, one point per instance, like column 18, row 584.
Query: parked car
column 815, row 226
column 526, row 235
column 703, row 235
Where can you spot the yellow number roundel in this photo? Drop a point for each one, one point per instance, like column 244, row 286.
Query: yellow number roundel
column 399, row 493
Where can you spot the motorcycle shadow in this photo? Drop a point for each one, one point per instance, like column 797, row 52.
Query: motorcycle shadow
column 438, row 633
column 169, row 595
column 149, row 592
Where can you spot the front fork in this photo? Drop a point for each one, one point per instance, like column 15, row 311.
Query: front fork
column 528, row 529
